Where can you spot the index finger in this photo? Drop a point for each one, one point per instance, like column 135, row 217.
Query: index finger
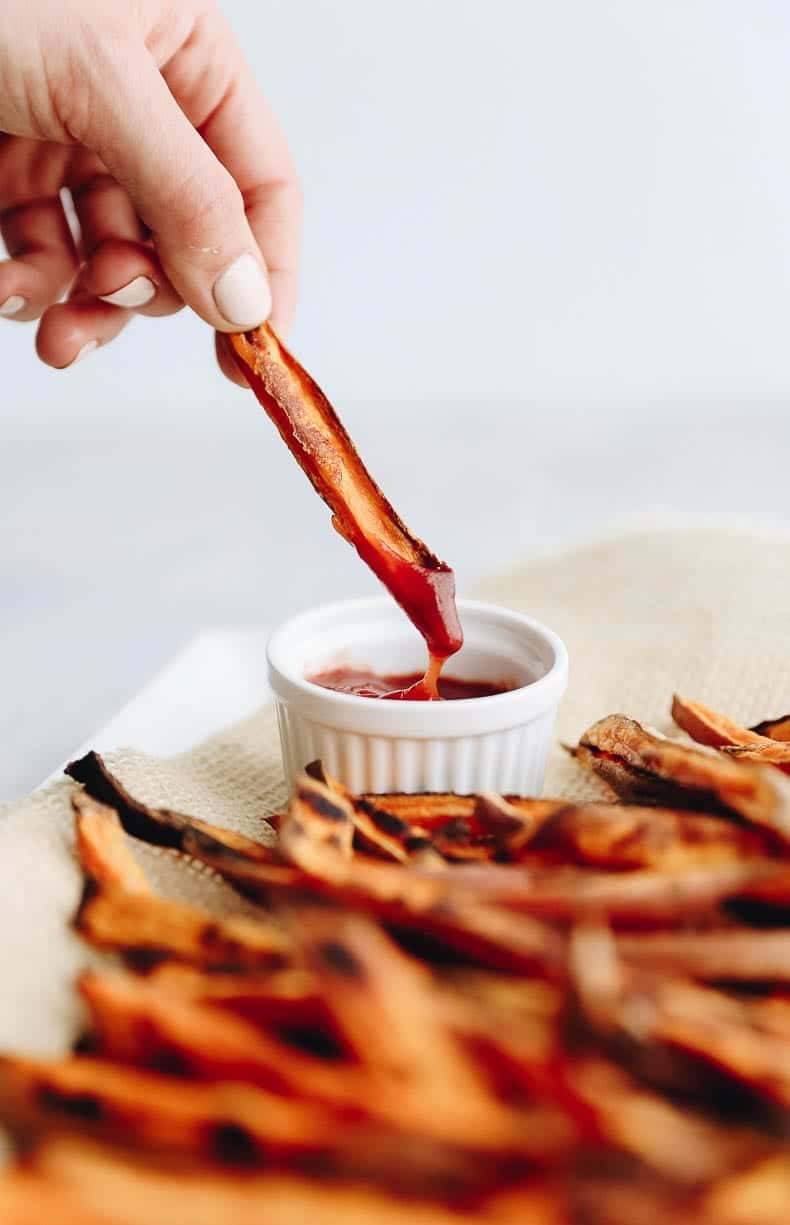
column 238, row 124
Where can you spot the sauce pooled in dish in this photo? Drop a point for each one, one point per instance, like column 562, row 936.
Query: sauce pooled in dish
column 367, row 684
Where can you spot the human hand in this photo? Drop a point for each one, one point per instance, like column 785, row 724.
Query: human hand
column 181, row 180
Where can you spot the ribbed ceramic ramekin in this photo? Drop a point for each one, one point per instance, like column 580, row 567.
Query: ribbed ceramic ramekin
column 498, row 743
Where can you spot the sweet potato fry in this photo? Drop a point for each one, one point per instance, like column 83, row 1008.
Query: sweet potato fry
column 774, row 729
column 151, row 929
column 619, row 837
column 287, row 998
column 429, row 809
column 102, row 848
column 422, row 585
column 732, row 955
column 101, row 1178
column 767, row 753
column 160, row 826
column 459, row 905
column 682, row 1146
column 374, row 829
column 396, row 1023
column 642, row 767
column 241, row 1125
column 758, row 1195
column 415, row 900
column 134, row 1021
column 708, row 726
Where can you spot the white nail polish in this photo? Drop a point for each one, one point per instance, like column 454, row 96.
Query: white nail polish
column 13, row 305
column 242, row 293
column 84, row 351
column 138, row 292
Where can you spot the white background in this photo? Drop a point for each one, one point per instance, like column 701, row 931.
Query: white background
column 550, row 240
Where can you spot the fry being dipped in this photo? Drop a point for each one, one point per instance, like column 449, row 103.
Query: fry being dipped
column 422, row 585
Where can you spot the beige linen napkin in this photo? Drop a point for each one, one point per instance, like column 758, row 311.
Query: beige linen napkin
column 699, row 609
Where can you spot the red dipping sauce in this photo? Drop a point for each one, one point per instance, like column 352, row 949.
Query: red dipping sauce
column 367, row 684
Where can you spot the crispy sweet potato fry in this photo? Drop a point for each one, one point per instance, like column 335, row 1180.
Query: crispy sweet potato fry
column 738, row 1037
column 431, row 808
column 149, row 929
column 619, row 837
column 468, row 905
column 732, row 955
column 238, row 1124
column 394, row 1020
column 161, row 826
column 415, row 900
column 102, row 847
column 135, row 1021
column 286, row 998
column 774, row 729
column 644, row 767
column 100, row 1178
column 708, row 726
column 422, row 585
column 374, row 829
column 767, row 753
column 682, row 1146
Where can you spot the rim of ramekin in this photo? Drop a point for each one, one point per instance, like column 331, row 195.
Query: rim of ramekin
column 415, row 720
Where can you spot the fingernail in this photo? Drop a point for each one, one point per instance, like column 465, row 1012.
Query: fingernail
column 137, row 293
column 242, row 293
column 13, row 305
column 84, row 351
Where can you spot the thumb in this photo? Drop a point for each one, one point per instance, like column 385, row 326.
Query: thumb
column 181, row 191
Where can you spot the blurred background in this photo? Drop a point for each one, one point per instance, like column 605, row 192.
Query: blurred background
column 546, row 282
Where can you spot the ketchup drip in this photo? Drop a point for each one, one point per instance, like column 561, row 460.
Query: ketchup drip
column 422, row 585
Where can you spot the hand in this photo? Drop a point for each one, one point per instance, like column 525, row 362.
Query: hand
column 181, row 181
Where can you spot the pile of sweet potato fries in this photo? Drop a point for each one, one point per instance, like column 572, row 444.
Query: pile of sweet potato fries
column 447, row 1008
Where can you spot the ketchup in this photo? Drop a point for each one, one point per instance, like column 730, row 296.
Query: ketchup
column 367, row 684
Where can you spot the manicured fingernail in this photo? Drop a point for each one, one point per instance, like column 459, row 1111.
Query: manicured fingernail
column 84, row 351
column 242, row 293
column 13, row 305
column 137, row 293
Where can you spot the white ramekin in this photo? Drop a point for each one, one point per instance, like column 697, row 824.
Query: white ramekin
column 497, row 743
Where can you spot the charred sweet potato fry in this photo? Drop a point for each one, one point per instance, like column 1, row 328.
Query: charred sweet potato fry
column 134, row 1021
column 238, row 1124
column 375, row 830
column 102, row 847
column 160, row 826
column 642, row 767
column 151, row 929
column 422, row 585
